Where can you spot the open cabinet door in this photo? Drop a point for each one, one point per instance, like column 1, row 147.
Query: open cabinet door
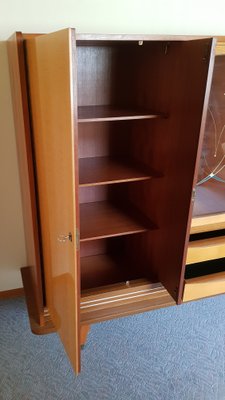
column 51, row 68
column 186, row 78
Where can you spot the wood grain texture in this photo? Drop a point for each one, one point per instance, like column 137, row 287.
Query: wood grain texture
column 95, row 171
column 92, row 37
column 220, row 46
column 208, row 223
column 162, row 82
column 155, row 68
column 8, row 294
column 204, row 286
column 47, row 326
column 52, row 82
column 103, row 219
column 110, row 113
column 26, row 168
column 121, row 300
column 84, row 330
column 206, row 249
column 208, row 58
column 100, row 270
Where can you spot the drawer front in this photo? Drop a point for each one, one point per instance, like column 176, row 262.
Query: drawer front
column 204, row 286
column 206, row 249
column 208, row 223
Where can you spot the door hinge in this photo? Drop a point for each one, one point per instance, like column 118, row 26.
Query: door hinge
column 207, row 52
column 166, row 48
column 193, row 195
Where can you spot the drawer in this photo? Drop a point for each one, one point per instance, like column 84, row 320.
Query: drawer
column 204, row 286
column 206, row 223
column 206, row 249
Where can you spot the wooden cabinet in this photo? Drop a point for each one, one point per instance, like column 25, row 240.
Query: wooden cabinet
column 111, row 129
column 206, row 251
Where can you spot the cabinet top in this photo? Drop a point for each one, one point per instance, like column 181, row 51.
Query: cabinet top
column 138, row 37
column 126, row 37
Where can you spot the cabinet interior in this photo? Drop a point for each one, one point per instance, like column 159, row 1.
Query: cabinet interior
column 108, row 135
column 116, row 115
column 134, row 110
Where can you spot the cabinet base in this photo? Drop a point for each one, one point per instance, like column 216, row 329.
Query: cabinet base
column 46, row 325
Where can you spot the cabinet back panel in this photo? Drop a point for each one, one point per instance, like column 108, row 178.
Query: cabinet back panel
column 113, row 260
column 97, row 73
column 103, row 139
column 123, row 74
column 92, row 194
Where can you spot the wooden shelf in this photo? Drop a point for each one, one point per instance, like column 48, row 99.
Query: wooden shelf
column 103, row 219
column 119, row 300
column 95, row 171
column 110, row 113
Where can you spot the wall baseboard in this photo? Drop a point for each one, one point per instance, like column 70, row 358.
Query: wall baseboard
column 7, row 294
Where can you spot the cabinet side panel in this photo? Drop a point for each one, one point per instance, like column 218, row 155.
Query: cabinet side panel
column 51, row 63
column 26, row 168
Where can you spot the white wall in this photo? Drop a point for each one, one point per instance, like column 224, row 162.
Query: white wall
column 12, row 246
column 137, row 16
column 201, row 17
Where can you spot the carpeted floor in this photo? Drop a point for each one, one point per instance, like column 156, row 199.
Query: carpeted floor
column 176, row 353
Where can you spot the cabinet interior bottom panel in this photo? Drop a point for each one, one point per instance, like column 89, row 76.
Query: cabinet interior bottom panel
column 101, row 270
column 123, row 299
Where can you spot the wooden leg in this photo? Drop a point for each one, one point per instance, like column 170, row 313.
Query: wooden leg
column 83, row 334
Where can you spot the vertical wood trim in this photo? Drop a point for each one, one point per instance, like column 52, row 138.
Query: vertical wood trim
column 76, row 222
column 18, row 81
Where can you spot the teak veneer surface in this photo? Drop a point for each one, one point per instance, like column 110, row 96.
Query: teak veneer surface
column 206, row 249
column 103, row 219
column 110, row 113
column 25, row 155
column 51, row 61
column 105, row 170
column 204, row 286
column 121, row 300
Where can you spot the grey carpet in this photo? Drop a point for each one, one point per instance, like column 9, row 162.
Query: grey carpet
column 176, row 353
